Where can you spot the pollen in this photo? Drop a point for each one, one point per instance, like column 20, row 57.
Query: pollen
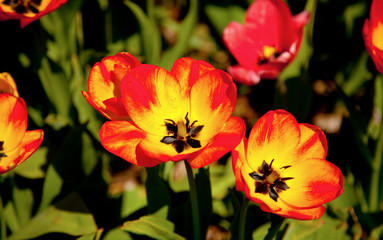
column 268, row 180
column 269, row 52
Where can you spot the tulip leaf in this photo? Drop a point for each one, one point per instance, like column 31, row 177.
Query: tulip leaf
column 133, row 200
column 151, row 226
column 184, row 35
column 117, row 234
column 222, row 178
column 12, row 219
column 23, row 199
column 93, row 236
column 32, row 168
column 221, row 15
column 150, row 35
column 69, row 216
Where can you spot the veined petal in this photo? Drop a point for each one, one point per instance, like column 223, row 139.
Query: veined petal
column 7, row 84
column 274, row 136
column 313, row 143
column 187, row 71
column 241, row 44
column 213, row 98
column 315, row 182
column 13, row 120
column 271, row 21
column 226, row 140
column 29, row 144
column 104, row 84
column 121, row 138
column 150, row 95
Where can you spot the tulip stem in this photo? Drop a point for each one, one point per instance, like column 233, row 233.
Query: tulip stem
column 2, row 219
column 242, row 218
column 375, row 175
column 194, row 202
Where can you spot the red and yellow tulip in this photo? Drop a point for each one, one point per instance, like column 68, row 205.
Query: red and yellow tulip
column 373, row 34
column 266, row 43
column 16, row 143
column 27, row 11
column 283, row 167
column 184, row 114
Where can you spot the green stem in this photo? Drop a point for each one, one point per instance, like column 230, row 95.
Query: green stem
column 375, row 175
column 242, row 218
column 2, row 219
column 194, row 202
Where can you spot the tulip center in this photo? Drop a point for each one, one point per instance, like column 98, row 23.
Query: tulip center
column 24, row 6
column 2, row 154
column 182, row 134
column 268, row 180
column 269, row 54
column 377, row 36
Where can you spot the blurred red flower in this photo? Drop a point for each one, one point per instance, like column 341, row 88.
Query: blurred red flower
column 27, row 11
column 16, row 143
column 266, row 43
column 104, row 85
column 282, row 167
column 373, row 34
column 184, row 114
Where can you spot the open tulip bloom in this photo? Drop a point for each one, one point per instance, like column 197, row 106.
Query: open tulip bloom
column 282, row 167
column 27, row 11
column 184, row 114
column 266, row 43
column 373, row 34
column 16, row 143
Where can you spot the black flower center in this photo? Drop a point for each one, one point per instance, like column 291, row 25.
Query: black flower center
column 24, row 6
column 2, row 154
column 181, row 135
column 267, row 180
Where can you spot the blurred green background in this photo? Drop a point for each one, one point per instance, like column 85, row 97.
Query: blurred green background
column 72, row 188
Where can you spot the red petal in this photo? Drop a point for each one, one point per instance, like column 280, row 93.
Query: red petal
column 238, row 156
column 225, row 141
column 299, row 214
column 121, row 138
column 244, row 75
column 313, row 143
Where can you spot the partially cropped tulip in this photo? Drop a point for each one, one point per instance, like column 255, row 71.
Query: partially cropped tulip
column 373, row 34
column 27, row 11
column 16, row 143
column 283, row 167
column 266, row 43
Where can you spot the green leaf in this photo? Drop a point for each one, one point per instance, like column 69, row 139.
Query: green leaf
column 23, row 199
column 133, row 200
column 11, row 219
column 69, row 216
column 222, row 178
column 158, row 192
column 93, row 236
column 117, row 234
column 221, row 15
column 261, row 232
column 184, row 36
column 32, row 168
column 151, row 226
column 150, row 35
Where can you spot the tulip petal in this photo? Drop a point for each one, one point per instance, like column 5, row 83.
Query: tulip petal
column 315, row 182
column 7, row 84
column 238, row 156
column 299, row 214
column 151, row 95
column 187, row 71
column 244, row 75
column 313, row 143
column 104, row 85
column 121, row 138
column 226, row 140
column 274, row 136
column 213, row 98
column 13, row 120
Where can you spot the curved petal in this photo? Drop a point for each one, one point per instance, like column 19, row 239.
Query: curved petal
column 29, row 144
column 315, row 182
column 13, row 120
column 7, row 84
column 187, row 71
column 226, row 140
column 271, row 21
column 238, row 156
column 213, row 98
column 244, row 75
column 313, row 143
column 299, row 214
column 104, row 84
column 241, row 44
column 151, row 95
column 121, row 138
column 274, row 136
